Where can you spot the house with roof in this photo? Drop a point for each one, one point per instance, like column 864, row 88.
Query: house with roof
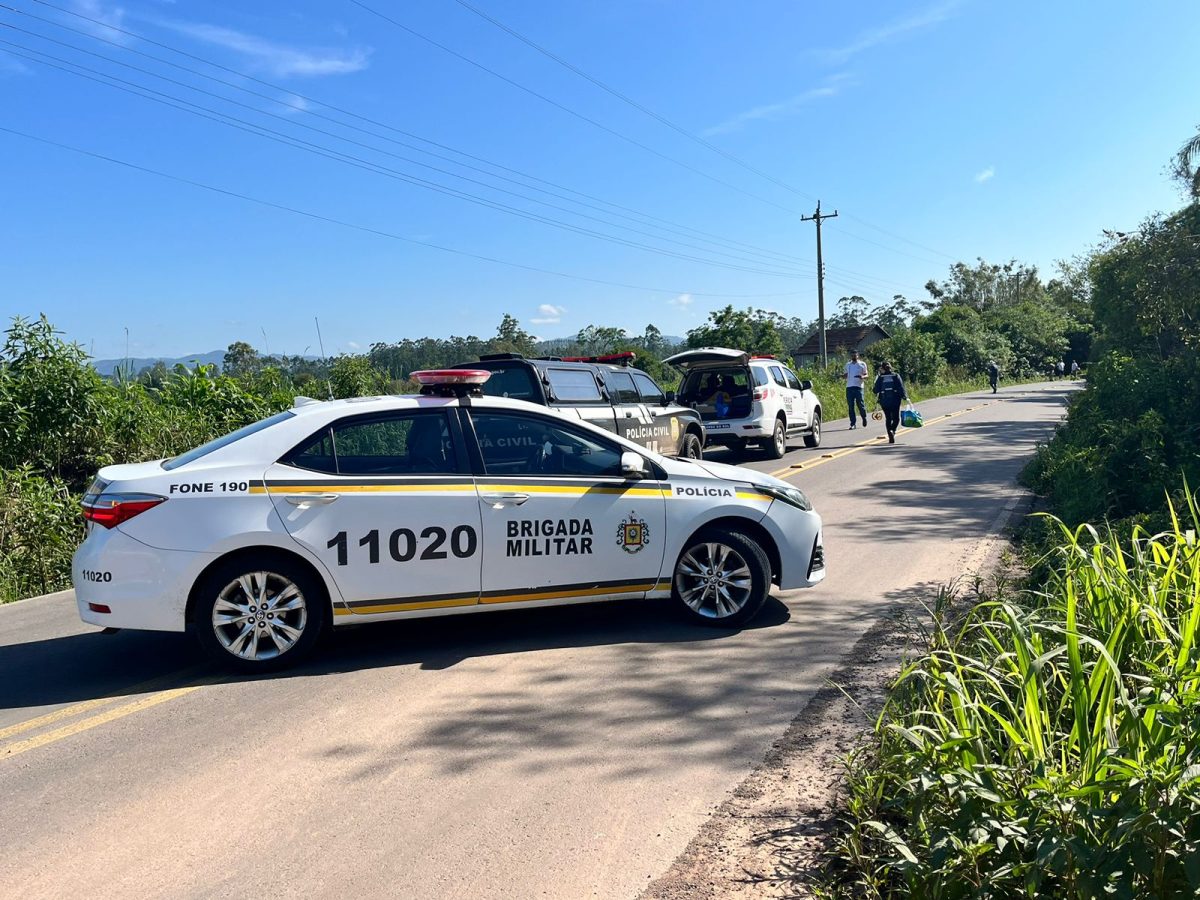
column 838, row 342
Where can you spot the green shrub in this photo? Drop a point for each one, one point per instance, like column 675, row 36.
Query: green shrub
column 1046, row 744
column 40, row 527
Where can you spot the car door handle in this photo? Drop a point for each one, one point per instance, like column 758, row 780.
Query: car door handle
column 497, row 501
column 310, row 499
column 628, row 414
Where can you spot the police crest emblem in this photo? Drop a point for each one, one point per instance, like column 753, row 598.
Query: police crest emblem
column 632, row 534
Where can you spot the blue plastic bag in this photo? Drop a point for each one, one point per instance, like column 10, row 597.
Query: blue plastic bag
column 910, row 418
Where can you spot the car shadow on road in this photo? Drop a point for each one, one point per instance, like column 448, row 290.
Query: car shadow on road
column 95, row 664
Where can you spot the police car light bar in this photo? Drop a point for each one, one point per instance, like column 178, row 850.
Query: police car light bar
column 452, row 382
column 434, row 377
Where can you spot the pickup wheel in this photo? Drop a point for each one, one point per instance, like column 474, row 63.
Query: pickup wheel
column 777, row 445
column 812, row 440
column 689, row 447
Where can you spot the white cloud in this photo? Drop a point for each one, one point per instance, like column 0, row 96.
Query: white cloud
column 295, row 103
column 11, row 66
column 782, row 109
column 353, row 345
column 986, row 175
column 106, row 18
column 278, row 59
column 897, row 28
column 683, row 301
column 548, row 314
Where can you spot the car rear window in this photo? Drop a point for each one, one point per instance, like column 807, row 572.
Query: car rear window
column 515, row 382
column 701, row 385
column 574, row 385
column 204, row 449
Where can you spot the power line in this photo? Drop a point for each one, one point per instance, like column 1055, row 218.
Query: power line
column 695, row 138
column 370, row 230
column 571, row 112
column 367, row 165
column 676, row 227
column 708, row 145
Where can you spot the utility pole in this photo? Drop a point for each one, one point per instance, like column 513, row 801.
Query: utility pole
column 817, row 217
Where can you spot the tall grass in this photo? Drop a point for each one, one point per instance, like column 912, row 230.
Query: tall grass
column 1047, row 743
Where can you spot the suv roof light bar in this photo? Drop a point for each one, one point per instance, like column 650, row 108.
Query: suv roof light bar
column 624, row 358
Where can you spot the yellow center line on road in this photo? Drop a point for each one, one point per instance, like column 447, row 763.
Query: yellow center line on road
column 150, row 688
column 795, row 468
column 108, row 715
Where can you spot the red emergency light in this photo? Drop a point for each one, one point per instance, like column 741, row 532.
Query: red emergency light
column 452, row 382
column 625, row 356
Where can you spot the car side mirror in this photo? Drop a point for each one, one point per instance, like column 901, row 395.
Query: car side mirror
column 806, row 385
column 633, row 465
column 671, row 396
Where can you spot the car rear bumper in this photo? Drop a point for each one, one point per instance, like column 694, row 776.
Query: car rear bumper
column 729, row 431
column 141, row 587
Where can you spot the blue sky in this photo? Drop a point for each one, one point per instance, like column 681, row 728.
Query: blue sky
column 940, row 131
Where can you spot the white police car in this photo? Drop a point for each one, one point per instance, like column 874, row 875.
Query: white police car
column 450, row 502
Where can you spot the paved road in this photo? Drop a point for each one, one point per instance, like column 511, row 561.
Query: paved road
column 568, row 752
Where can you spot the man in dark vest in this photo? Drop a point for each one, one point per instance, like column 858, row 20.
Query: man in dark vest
column 889, row 388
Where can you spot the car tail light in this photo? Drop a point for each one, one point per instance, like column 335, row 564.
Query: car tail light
column 762, row 393
column 111, row 510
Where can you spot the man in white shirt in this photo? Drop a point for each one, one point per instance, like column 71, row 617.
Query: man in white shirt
column 856, row 378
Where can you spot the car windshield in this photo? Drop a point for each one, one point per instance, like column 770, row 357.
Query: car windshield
column 204, row 449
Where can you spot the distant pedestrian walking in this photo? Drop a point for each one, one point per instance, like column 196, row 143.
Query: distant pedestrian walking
column 1074, row 368
column 856, row 379
column 1060, row 367
column 993, row 372
column 889, row 388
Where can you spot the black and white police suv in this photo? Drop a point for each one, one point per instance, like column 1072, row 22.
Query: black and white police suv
column 450, row 502
column 603, row 390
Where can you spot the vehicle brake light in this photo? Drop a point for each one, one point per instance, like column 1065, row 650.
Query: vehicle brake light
column 99, row 608
column 762, row 393
column 111, row 510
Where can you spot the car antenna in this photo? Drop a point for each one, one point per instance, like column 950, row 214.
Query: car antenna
column 321, row 344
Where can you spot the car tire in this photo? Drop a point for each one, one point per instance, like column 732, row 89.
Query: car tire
column 742, row 576
column 690, row 447
column 812, row 440
column 776, row 445
column 282, row 631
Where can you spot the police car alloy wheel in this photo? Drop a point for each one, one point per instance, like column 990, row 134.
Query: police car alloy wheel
column 722, row 578
column 257, row 614
column 813, row 440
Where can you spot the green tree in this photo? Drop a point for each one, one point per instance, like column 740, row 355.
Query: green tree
column 852, row 312
column 596, row 340
column 512, row 338
column 354, row 376
column 1187, row 165
column 240, row 359
column 752, row 330
column 914, row 355
column 49, row 397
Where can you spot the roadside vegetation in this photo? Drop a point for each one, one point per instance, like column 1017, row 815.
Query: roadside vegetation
column 1046, row 741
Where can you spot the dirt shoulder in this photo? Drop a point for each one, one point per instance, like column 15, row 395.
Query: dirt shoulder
column 769, row 838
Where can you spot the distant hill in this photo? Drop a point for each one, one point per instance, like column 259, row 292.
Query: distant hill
column 107, row 367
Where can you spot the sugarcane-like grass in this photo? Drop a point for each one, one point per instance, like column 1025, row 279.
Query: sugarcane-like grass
column 1047, row 742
